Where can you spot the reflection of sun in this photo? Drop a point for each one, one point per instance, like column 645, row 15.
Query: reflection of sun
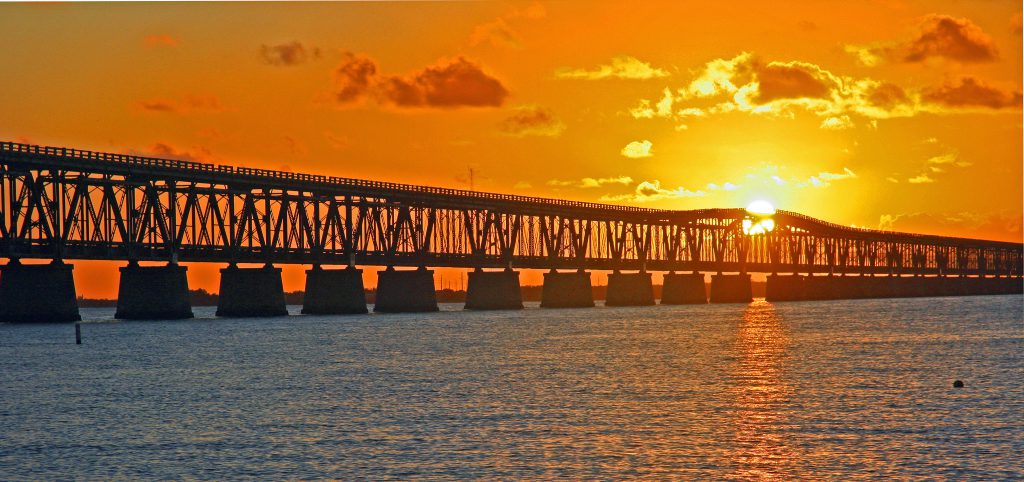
column 760, row 446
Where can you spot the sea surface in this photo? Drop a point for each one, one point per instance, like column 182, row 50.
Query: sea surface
column 810, row 390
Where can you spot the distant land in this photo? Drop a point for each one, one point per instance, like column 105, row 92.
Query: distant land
column 202, row 297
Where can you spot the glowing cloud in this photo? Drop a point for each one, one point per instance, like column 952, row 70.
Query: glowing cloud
column 638, row 149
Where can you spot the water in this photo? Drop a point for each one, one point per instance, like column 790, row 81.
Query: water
column 786, row 390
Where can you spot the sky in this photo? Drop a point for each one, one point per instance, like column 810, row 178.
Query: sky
column 894, row 115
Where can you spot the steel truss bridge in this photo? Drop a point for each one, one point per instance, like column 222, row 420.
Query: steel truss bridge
column 61, row 203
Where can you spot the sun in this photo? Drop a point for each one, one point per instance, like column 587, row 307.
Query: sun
column 761, row 207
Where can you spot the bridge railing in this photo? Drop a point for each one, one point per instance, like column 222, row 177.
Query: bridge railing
column 145, row 161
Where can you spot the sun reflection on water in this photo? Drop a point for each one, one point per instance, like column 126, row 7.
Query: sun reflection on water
column 761, row 425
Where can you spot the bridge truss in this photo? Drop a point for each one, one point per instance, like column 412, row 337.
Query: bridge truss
column 59, row 203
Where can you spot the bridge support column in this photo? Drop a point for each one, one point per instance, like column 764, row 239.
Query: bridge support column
column 566, row 290
column 334, row 292
column 629, row 289
column 731, row 288
column 37, row 293
column 248, row 292
column 153, row 293
column 822, row 288
column 784, row 288
column 405, row 291
column 494, row 290
column 684, row 289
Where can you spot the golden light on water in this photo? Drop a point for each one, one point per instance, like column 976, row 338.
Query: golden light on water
column 762, row 451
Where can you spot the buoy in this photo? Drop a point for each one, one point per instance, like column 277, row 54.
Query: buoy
column 958, row 384
column 78, row 334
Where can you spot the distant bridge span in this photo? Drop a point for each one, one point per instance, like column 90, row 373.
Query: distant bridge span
column 63, row 204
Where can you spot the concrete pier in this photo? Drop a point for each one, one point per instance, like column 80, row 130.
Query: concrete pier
column 566, row 290
column 246, row 292
column 334, row 292
column 494, row 290
column 153, row 293
column 731, row 288
column 409, row 291
column 784, row 288
column 629, row 289
column 37, row 293
column 684, row 289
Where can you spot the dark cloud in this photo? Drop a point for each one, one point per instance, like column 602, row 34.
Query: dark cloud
column 353, row 78
column 790, row 81
column 948, row 37
column 532, row 121
column 293, row 53
column 888, row 95
column 971, row 92
column 457, row 83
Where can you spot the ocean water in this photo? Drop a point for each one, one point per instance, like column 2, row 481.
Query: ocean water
column 761, row 391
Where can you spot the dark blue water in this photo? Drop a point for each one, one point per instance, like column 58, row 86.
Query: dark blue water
column 787, row 390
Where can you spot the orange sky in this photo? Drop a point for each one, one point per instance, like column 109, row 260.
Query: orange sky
column 881, row 114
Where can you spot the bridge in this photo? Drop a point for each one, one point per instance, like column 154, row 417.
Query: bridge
column 63, row 204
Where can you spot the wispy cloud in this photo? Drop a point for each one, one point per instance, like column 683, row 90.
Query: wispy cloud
column 184, row 105
column 648, row 191
column 160, row 40
column 622, row 67
column 591, row 182
column 500, row 32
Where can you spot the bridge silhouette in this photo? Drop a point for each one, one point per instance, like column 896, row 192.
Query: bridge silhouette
column 64, row 204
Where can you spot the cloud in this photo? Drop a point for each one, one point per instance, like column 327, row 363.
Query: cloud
column 725, row 186
column 825, row 179
column 938, row 36
column 497, row 33
column 938, row 164
column 1003, row 225
column 949, row 37
column 590, row 182
column 621, row 67
column 166, row 150
column 972, row 92
column 337, row 141
column 354, row 78
column 160, row 40
column 1015, row 24
column 288, row 54
column 638, row 149
column 522, row 185
column 837, row 123
column 746, row 84
column 531, row 120
column 185, row 105
column 648, row 191
column 447, row 84
column 500, row 33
